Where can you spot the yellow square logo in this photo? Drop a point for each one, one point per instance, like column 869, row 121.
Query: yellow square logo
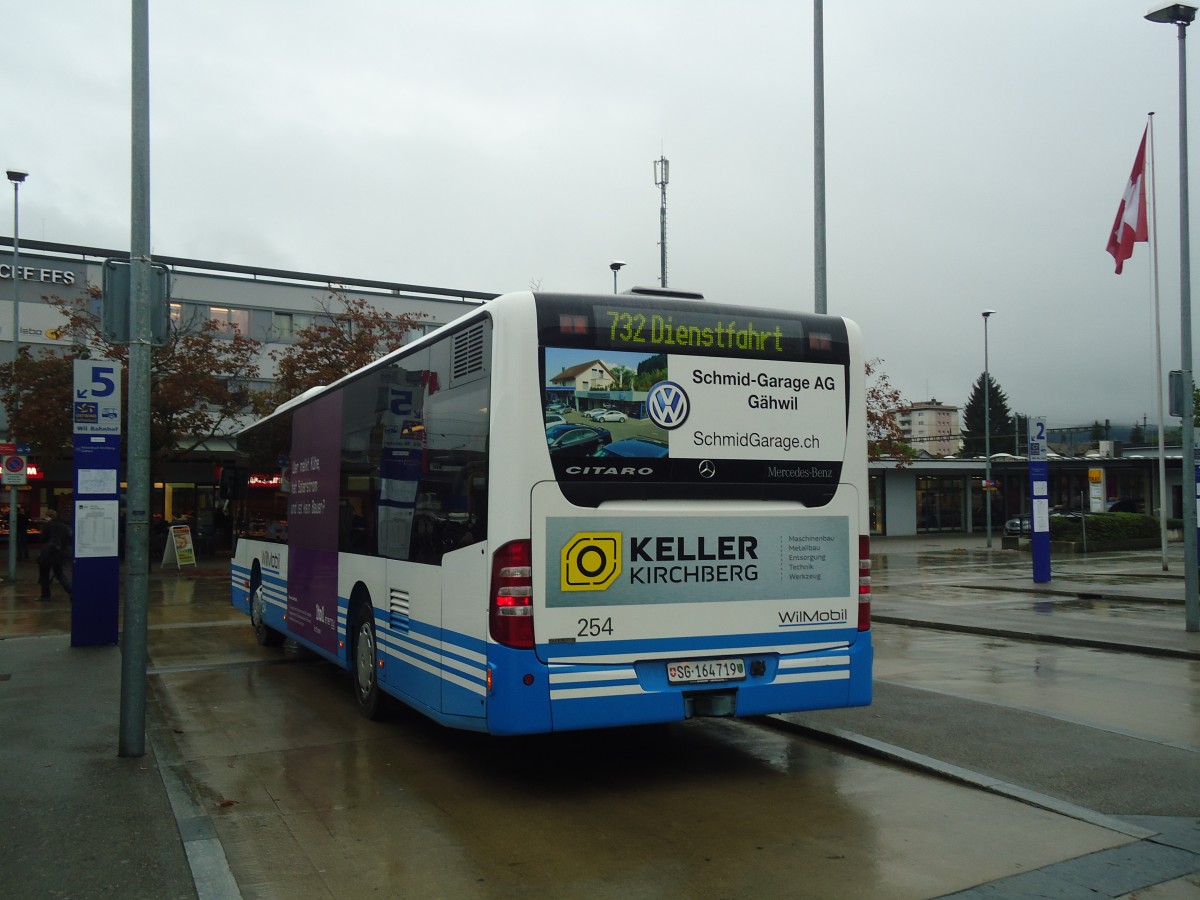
column 591, row 561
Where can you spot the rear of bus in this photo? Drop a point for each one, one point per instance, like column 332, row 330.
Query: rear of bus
column 708, row 554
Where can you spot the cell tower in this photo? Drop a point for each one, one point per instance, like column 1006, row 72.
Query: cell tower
column 662, row 170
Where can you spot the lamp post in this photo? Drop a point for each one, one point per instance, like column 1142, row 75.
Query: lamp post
column 1181, row 15
column 17, row 177
column 987, row 433
column 616, row 265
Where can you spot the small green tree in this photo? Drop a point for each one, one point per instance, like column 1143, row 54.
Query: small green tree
column 999, row 419
column 624, row 376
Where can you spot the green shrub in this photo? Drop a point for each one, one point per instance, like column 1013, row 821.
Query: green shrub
column 1114, row 527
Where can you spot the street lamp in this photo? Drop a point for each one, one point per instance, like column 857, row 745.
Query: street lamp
column 987, row 432
column 1181, row 15
column 17, row 177
column 616, row 265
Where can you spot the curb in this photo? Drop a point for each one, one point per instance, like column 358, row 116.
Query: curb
column 929, row 765
column 1018, row 635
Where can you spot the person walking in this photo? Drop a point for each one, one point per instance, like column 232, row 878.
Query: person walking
column 56, row 537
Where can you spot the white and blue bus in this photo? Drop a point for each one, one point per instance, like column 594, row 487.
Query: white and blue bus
column 689, row 539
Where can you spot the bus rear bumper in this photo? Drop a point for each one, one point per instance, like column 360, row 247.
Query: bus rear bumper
column 792, row 683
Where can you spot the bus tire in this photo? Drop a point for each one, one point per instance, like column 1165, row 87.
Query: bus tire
column 263, row 633
column 364, row 668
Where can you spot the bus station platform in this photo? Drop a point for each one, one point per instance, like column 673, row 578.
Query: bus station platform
column 78, row 821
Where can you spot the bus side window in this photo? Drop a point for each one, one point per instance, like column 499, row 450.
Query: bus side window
column 451, row 508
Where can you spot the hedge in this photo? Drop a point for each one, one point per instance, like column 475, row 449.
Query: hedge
column 1106, row 527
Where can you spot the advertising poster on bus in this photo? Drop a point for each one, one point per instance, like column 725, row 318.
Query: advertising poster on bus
column 313, row 522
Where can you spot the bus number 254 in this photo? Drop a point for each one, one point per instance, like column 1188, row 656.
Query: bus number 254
column 595, row 627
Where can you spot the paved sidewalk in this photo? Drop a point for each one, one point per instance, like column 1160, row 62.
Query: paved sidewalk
column 80, row 822
column 1117, row 600
column 77, row 821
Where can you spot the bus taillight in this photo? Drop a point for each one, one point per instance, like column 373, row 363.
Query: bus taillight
column 864, row 582
column 511, row 608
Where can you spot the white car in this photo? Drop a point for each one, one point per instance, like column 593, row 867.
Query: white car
column 610, row 415
column 554, row 419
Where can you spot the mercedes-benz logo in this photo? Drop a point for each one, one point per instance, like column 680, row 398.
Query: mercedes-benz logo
column 708, row 468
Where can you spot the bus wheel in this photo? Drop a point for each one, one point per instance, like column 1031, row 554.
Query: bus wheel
column 263, row 633
column 366, row 685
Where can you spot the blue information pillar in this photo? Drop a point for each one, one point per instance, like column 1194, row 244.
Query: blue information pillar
column 1196, row 472
column 1039, row 492
column 96, row 412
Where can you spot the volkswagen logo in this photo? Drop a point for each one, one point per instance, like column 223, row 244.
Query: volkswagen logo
column 708, row 468
column 667, row 405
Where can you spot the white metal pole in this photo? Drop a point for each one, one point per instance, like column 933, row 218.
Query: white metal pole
column 987, row 434
column 1191, row 609
column 1158, row 372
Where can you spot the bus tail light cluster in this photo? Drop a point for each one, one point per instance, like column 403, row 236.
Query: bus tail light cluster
column 864, row 582
column 511, row 609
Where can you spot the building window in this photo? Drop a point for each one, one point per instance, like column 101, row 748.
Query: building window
column 231, row 318
column 287, row 326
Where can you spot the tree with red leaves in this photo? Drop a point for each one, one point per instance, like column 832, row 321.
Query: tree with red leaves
column 885, row 440
column 347, row 335
column 198, row 381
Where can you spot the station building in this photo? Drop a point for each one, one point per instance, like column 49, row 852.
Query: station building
column 270, row 305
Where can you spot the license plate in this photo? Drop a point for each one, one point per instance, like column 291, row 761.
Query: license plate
column 697, row 670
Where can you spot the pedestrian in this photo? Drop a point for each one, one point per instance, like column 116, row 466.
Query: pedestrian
column 22, row 533
column 56, row 537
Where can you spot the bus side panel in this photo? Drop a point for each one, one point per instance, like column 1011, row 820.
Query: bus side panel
column 269, row 561
column 408, row 629
column 357, row 575
column 465, row 576
column 514, row 706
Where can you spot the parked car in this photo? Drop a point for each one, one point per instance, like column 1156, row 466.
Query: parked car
column 554, row 419
column 635, row 448
column 1019, row 525
column 576, row 440
column 1122, row 505
column 557, row 408
column 610, row 415
column 595, row 413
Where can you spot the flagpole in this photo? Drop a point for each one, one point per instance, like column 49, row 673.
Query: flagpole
column 1158, row 379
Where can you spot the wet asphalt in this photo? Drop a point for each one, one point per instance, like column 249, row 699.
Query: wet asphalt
column 80, row 822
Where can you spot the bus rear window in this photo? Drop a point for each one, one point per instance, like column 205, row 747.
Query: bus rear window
column 654, row 399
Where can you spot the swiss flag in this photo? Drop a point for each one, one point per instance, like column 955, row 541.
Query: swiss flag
column 1130, row 226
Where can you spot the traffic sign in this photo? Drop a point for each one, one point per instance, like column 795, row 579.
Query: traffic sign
column 15, row 471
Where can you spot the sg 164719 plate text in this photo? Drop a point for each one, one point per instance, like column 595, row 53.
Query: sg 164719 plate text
column 695, row 671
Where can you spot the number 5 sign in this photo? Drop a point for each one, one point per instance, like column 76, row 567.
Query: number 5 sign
column 96, row 401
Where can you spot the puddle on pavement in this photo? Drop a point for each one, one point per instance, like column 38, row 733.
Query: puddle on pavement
column 1128, row 609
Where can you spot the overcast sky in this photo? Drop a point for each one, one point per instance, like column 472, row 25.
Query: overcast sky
column 976, row 154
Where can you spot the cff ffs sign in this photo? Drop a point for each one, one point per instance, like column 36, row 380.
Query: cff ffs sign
column 96, row 398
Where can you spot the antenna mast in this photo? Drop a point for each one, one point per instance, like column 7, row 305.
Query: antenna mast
column 662, row 168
